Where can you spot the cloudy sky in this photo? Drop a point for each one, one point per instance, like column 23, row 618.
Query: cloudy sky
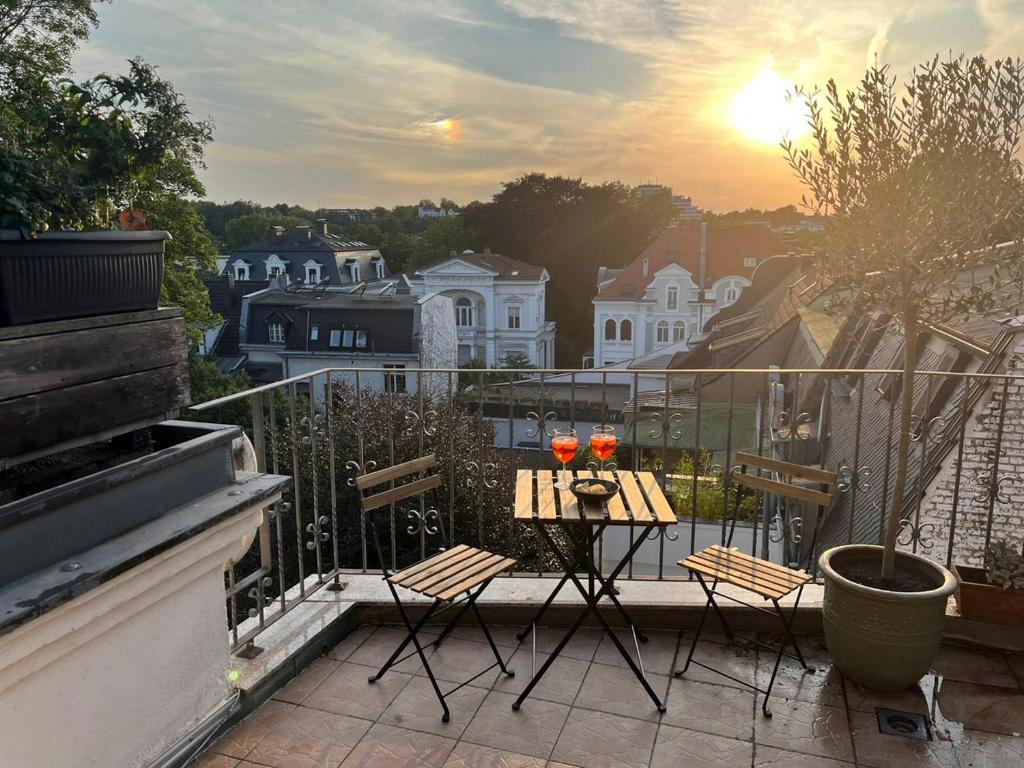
column 340, row 103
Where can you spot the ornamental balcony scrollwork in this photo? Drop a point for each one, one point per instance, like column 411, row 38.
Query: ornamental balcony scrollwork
column 481, row 472
column 847, row 478
column 310, row 427
column 609, row 466
column 784, row 427
column 428, row 521
column 356, row 470
column 414, row 421
column 541, row 420
column 316, row 530
column 927, row 431
column 255, row 593
column 911, row 533
column 663, row 425
column 662, row 532
column 990, row 487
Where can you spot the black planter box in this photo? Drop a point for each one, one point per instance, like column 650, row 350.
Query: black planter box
column 62, row 275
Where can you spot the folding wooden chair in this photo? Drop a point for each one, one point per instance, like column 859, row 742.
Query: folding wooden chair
column 770, row 581
column 461, row 570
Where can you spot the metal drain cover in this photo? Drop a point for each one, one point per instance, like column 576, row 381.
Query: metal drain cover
column 910, row 725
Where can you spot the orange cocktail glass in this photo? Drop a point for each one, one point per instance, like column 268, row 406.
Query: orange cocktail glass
column 564, row 444
column 603, row 442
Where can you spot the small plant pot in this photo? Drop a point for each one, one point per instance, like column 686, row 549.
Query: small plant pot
column 63, row 275
column 882, row 639
column 980, row 601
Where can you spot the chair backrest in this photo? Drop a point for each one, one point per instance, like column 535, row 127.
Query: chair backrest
column 372, row 498
column 787, row 487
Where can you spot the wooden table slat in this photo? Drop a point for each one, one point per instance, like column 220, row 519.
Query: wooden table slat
column 524, row 495
column 659, row 504
column 616, row 509
column 637, row 505
column 545, row 497
column 570, row 507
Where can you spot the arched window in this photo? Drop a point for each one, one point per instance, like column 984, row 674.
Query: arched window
column 662, row 332
column 464, row 312
column 626, row 331
column 678, row 331
column 312, row 272
column 609, row 330
column 241, row 270
column 730, row 295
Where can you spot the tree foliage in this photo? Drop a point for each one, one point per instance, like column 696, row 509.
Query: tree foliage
column 919, row 183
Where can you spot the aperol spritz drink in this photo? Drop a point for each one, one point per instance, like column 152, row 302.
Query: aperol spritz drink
column 603, row 442
column 564, row 444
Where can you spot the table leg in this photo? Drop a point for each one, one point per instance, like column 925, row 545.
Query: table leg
column 547, row 603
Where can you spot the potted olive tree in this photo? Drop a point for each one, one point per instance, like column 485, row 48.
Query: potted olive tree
column 72, row 157
column 919, row 183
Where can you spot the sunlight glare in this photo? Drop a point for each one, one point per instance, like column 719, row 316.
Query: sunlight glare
column 448, row 127
column 762, row 113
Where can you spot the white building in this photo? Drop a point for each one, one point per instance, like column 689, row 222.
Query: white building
column 499, row 306
column 434, row 212
column 663, row 299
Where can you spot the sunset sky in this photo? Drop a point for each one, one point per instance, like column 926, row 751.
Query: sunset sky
column 354, row 104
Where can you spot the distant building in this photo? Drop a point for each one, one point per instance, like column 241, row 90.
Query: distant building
column 308, row 255
column 499, row 306
column 435, row 212
column 686, row 210
column 664, row 298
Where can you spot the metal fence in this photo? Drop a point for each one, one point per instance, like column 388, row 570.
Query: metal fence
column 327, row 426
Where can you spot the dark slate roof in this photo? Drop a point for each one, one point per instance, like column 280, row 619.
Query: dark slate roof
column 301, row 244
column 506, row 267
column 226, row 300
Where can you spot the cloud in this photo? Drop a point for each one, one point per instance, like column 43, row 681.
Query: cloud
column 331, row 104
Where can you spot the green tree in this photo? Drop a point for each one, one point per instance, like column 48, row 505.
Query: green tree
column 254, row 227
column 439, row 239
column 918, row 183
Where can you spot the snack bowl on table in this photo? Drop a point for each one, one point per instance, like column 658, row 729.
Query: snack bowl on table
column 593, row 491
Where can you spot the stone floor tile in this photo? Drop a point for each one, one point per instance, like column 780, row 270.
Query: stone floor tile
column 989, row 750
column 303, row 684
column 418, row 709
column 348, row 692
column 457, row 660
column 658, row 652
column 240, row 740
column 560, row 683
column 309, row 738
column 388, row 747
column 377, row 649
column 211, row 760
column 824, row 685
column 710, row 708
column 734, row 659
column 533, row 730
column 970, row 665
column 600, row 740
column 503, row 635
column 468, row 755
column 616, row 690
column 917, row 698
column 802, row 726
column 680, row 748
column 982, row 707
column 582, row 645
column 879, row 750
column 770, row 757
column 350, row 643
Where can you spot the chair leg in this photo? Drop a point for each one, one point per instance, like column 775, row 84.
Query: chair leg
column 423, row 658
column 696, row 637
column 487, row 633
column 412, row 631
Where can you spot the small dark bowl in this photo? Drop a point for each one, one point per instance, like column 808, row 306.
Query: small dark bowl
column 589, row 497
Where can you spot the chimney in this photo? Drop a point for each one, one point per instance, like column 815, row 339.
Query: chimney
column 277, row 231
column 487, row 249
column 451, row 253
column 703, row 251
column 647, row 266
column 321, row 226
column 308, row 230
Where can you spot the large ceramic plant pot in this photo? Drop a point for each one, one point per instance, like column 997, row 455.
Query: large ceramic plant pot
column 61, row 275
column 883, row 640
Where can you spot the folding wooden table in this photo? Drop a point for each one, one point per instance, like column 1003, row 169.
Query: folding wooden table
column 640, row 503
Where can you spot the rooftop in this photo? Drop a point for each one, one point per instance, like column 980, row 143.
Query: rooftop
column 505, row 267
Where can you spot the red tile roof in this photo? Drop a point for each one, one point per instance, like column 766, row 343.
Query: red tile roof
column 727, row 247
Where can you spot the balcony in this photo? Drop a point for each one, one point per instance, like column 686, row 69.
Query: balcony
column 302, row 652
column 307, row 616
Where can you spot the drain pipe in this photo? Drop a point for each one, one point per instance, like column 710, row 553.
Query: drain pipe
column 182, row 752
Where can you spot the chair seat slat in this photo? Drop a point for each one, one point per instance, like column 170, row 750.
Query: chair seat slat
column 479, row 578
column 424, row 579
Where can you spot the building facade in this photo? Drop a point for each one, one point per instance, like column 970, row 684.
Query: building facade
column 664, row 298
column 499, row 307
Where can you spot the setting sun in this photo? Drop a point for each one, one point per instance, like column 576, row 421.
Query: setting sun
column 762, row 112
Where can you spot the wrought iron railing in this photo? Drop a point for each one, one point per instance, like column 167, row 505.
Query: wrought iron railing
column 325, row 427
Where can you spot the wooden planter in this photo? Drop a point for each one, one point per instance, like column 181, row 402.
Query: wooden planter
column 60, row 275
column 980, row 601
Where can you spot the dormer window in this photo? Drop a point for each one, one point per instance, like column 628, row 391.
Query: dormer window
column 241, row 270
column 312, row 269
column 276, row 266
column 354, row 268
column 379, row 264
column 275, row 333
column 730, row 295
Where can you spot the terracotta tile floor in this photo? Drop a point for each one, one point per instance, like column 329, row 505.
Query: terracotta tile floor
column 590, row 712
